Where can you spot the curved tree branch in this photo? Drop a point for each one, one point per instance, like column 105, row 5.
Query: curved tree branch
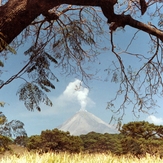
column 21, row 14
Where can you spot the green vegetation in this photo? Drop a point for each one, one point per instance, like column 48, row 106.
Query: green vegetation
column 142, row 137
column 72, row 36
column 4, row 143
column 100, row 143
column 8, row 131
column 137, row 138
column 55, row 140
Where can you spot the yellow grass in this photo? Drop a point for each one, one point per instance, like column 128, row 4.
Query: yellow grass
column 29, row 157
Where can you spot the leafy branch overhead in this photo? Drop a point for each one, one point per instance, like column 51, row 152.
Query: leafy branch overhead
column 68, row 35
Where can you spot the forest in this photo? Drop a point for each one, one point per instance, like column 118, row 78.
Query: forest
column 136, row 138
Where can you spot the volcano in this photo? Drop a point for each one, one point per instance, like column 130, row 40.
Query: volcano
column 84, row 122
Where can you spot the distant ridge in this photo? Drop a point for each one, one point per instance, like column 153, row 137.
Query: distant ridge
column 84, row 122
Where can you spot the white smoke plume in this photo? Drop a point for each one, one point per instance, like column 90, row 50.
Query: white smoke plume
column 76, row 92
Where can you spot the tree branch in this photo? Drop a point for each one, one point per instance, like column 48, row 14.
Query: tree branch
column 128, row 20
column 16, row 15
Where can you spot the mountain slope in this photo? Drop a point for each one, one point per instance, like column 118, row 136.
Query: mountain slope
column 84, row 122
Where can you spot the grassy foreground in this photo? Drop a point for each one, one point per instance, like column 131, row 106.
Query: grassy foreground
column 76, row 158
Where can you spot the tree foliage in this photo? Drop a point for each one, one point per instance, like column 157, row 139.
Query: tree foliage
column 142, row 129
column 11, row 129
column 54, row 140
column 4, row 143
column 69, row 33
column 102, row 143
column 21, row 140
column 137, row 138
column 141, row 138
column 60, row 141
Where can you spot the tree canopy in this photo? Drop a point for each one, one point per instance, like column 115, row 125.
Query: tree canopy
column 141, row 138
column 11, row 129
column 137, row 138
column 55, row 140
column 67, row 33
column 142, row 129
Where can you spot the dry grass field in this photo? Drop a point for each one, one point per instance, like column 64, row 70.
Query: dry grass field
column 20, row 155
column 17, row 150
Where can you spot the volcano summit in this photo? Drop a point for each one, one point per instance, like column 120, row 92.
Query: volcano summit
column 84, row 122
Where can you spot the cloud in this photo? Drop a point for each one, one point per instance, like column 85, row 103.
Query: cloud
column 155, row 120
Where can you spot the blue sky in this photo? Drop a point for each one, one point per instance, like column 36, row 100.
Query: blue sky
column 69, row 97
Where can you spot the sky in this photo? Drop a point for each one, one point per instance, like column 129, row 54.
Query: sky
column 71, row 94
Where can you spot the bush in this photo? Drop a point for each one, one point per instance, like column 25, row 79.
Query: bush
column 4, row 143
column 55, row 140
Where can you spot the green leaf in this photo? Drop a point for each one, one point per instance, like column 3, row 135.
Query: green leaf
column 2, row 104
column 4, row 45
column 12, row 50
column 33, row 96
column 1, row 64
column 51, row 58
column 3, row 118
